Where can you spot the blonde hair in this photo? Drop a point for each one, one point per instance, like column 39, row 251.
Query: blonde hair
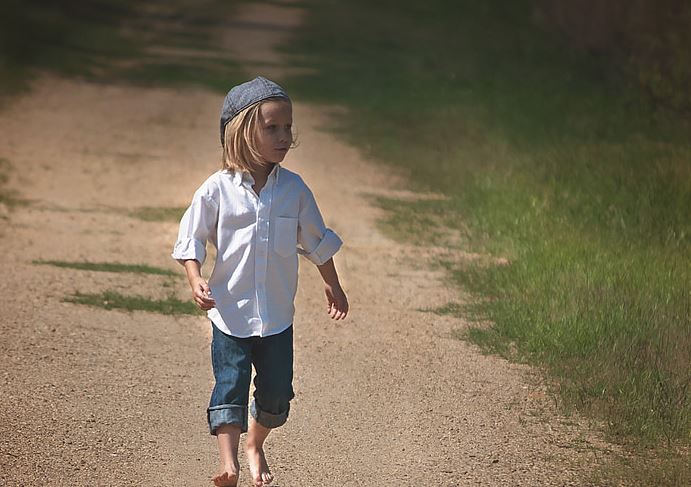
column 240, row 152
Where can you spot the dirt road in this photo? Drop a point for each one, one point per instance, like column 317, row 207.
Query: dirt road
column 96, row 397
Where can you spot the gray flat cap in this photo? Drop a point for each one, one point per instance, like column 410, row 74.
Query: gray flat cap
column 242, row 96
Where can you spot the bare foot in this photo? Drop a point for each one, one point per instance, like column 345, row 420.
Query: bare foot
column 258, row 467
column 228, row 476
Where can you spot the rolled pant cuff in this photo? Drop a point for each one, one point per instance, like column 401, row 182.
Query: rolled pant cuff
column 267, row 420
column 218, row 416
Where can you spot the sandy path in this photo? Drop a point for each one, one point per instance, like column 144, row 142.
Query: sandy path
column 95, row 397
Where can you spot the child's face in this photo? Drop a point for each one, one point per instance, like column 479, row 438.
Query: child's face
column 275, row 136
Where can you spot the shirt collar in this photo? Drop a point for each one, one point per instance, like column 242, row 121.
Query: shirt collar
column 275, row 172
column 237, row 177
column 240, row 177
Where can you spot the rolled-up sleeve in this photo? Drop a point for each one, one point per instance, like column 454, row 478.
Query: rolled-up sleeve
column 198, row 224
column 318, row 242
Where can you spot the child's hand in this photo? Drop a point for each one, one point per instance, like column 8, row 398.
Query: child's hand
column 337, row 302
column 202, row 294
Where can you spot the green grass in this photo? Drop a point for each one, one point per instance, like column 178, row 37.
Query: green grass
column 114, row 300
column 647, row 469
column 549, row 159
column 108, row 267
column 158, row 214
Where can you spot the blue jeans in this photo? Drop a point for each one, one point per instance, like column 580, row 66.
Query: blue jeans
column 232, row 359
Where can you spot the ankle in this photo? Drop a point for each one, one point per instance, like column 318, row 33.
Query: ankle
column 252, row 444
column 231, row 463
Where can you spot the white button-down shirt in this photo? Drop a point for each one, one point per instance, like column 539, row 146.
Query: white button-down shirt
column 255, row 275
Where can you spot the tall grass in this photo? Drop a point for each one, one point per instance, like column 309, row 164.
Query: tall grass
column 548, row 160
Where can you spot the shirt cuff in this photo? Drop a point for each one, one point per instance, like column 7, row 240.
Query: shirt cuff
column 329, row 245
column 189, row 248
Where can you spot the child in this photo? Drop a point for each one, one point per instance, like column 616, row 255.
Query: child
column 256, row 214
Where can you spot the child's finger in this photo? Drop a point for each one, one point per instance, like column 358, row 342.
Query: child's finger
column 342, row 306
column 205, row 296
column 203, row 289
column 204, row 303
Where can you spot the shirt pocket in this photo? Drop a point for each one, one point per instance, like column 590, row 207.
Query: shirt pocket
column 286, row 236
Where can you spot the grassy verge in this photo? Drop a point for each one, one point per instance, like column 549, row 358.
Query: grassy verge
column 547, row 160
column 114, row 300
column 108, row 267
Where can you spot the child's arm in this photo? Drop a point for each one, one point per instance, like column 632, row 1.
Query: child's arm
column 196, row 225
column 200, row 289
column 336, row 299
column 319, row 244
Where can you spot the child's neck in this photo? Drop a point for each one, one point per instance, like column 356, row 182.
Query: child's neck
column 260, row 175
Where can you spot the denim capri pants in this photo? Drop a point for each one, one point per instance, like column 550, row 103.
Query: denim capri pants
column 232, row 359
